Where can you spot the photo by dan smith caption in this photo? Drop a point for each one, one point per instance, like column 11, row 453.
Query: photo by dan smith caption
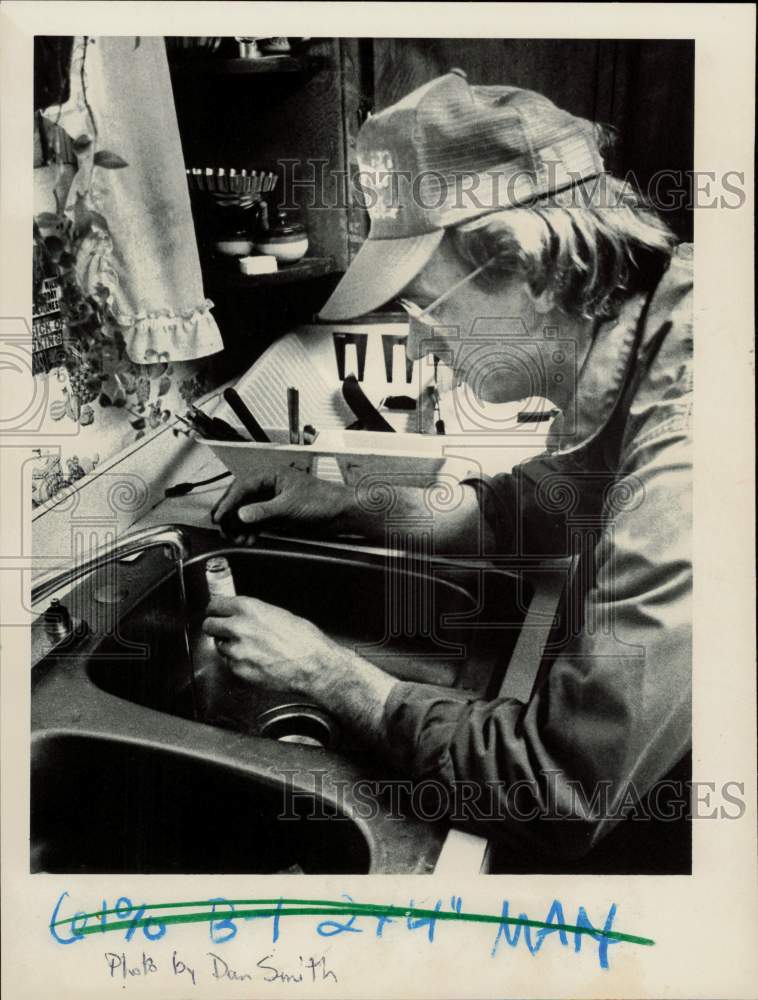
column 310, row 970
column 377, row 476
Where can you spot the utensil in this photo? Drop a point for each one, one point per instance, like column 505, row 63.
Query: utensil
column 535, row 416
column 293, row 414
column 244, row 415
column 368, row 416
column 212, row 427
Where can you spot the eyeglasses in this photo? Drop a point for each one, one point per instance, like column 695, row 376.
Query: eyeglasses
column 424, row 315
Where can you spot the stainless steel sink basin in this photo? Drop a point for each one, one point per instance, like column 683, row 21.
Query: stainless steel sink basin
column 128, row 775
column 101, row 805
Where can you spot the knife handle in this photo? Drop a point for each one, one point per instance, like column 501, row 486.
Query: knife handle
column 243, row 414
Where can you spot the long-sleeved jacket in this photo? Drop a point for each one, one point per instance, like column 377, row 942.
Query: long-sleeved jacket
column 611, row 716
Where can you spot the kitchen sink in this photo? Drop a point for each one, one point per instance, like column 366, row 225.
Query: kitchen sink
column 136, row 768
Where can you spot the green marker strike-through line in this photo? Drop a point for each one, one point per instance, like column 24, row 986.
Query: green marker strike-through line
column 320, row 907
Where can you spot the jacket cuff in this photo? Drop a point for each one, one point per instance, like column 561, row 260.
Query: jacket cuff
column 421, row 721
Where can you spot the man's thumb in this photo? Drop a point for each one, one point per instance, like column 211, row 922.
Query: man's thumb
column 263, row 511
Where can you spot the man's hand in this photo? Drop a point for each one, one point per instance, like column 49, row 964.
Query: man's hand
column 290, row 499
column 276, row 650
column 285, row 498
column 267, row 645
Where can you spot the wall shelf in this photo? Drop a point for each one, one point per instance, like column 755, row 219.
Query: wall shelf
column 235, row 67
column 303, row 270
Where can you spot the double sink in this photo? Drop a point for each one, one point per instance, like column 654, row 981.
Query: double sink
column 135, row 768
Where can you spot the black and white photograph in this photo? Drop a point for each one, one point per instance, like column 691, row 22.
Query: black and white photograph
column 358, row 468
column 437, row 244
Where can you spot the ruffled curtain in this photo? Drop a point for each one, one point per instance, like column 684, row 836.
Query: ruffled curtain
column 132, row 174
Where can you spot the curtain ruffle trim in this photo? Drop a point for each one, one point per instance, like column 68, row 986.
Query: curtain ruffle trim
column 186, row 335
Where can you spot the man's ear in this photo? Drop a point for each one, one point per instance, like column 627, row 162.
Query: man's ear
column 544, row 301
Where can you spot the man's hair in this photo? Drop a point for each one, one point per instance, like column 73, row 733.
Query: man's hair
column 591, row 245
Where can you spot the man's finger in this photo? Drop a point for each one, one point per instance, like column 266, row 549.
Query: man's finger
column 230, row 498
column 220, row 628
column 221, row 607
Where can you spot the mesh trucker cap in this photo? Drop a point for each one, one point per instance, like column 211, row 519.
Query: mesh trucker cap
column 447, row 153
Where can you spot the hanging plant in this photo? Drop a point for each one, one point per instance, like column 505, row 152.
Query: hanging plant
column 92, row 361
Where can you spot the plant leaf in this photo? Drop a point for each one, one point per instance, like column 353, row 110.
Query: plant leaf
column 111, row 161
column 47, row 219
column 82, row 218
column 54, row 247
column 105, row 399
column 164, row 385
column 81, row 143
column 138, row 424
column 100, row 220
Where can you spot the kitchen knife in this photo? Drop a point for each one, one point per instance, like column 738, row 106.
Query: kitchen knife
column 369, row 417
column 244, row 415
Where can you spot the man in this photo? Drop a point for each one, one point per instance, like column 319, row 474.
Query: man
column 491, row 206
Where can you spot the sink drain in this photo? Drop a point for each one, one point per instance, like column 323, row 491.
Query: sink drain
column 304, row 724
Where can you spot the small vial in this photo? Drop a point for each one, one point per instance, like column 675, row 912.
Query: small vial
column 218, row 575
column 222, row 699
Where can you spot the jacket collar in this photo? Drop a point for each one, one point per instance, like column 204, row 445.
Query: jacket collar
column 602, row 377
column 599, row 381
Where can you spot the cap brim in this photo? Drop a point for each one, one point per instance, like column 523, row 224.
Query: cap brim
column 381, row 269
